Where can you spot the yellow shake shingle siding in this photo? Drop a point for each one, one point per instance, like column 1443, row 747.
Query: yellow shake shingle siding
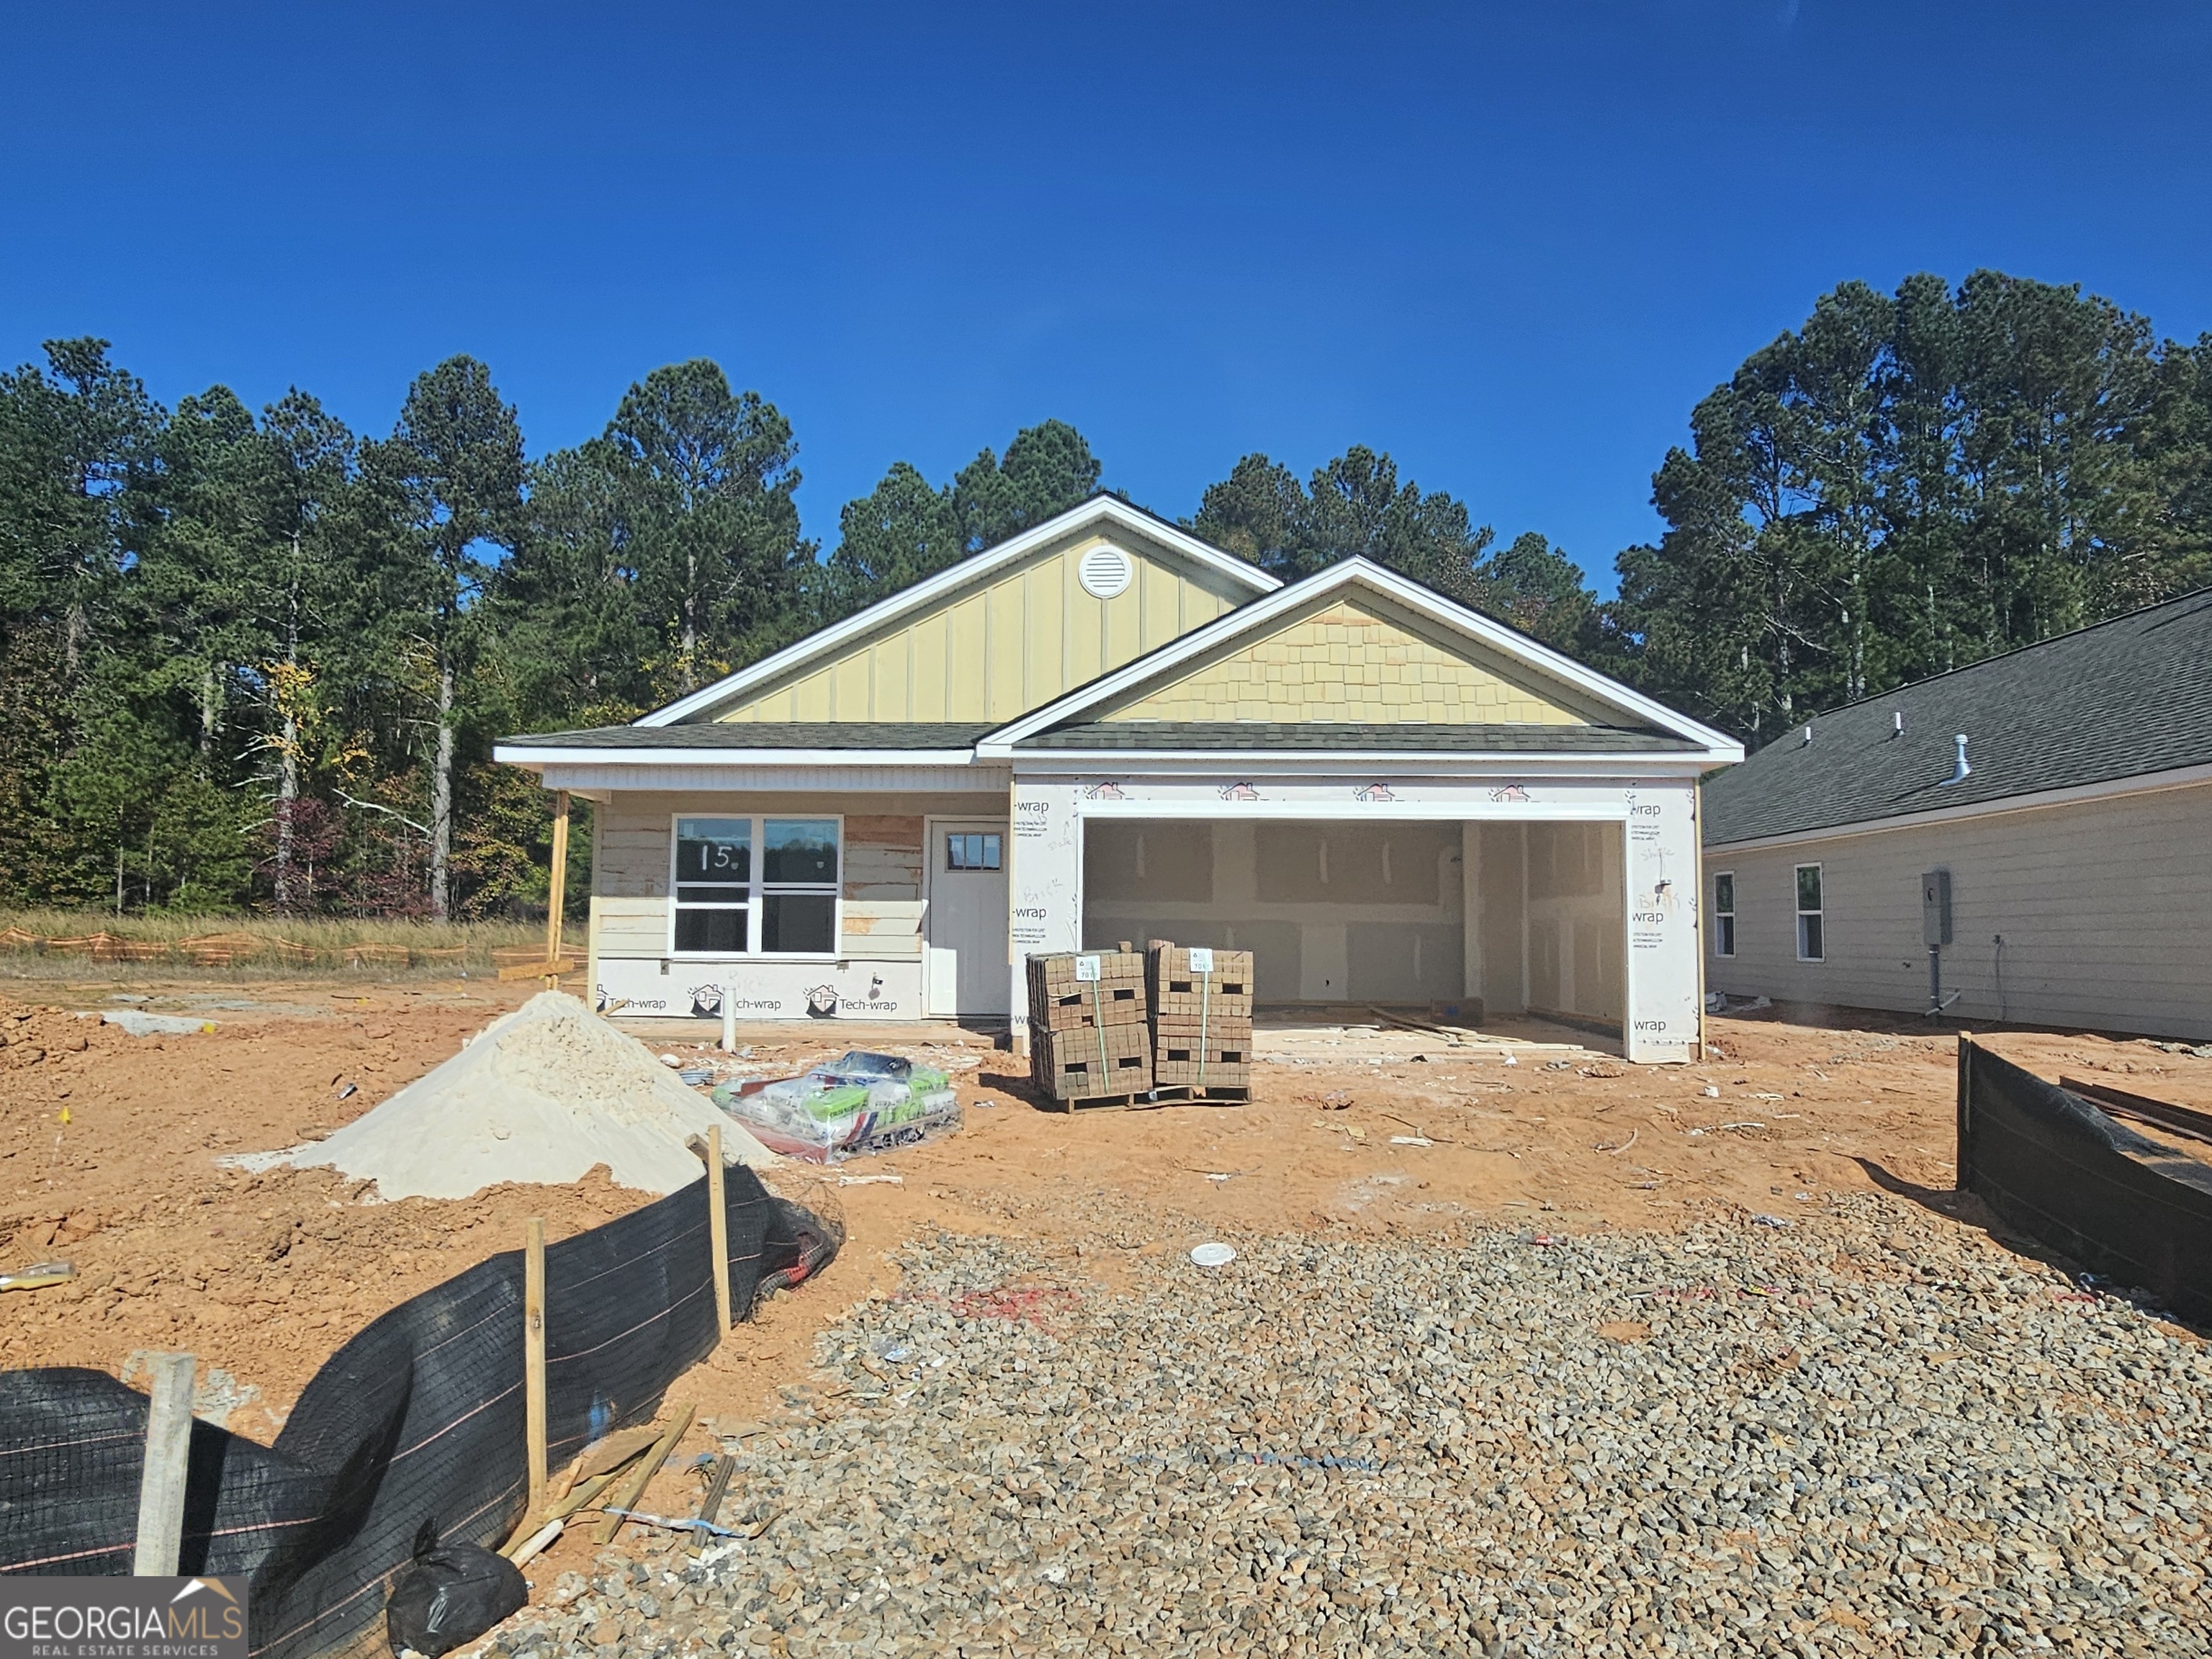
column 1348, row 661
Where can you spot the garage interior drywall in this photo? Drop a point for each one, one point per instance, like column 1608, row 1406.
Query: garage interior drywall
column 1406, row 911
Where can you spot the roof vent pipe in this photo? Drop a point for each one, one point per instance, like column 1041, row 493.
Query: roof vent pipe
column 1960, row 769
column 1897, row 726
column 1808, row 741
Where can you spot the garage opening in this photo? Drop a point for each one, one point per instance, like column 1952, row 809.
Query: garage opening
column 1530, row 918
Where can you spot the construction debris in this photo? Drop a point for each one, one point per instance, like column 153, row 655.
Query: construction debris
column 38, row 1276
column 139, row 1025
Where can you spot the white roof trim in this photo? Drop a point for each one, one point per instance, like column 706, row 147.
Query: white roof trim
column 1719, row 747
column 1099, row 510
column 1372, row 763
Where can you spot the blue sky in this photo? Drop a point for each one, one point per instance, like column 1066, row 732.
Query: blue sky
column 1510, row 244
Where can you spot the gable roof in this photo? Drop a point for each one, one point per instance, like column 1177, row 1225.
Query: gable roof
column 1617, row 706
column 1099, row 514
column 2128, row 698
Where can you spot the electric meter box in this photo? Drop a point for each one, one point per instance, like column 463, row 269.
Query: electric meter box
column 1936, row 908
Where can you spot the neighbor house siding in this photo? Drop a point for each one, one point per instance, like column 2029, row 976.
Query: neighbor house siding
column 2104, row 910
column 882, row 858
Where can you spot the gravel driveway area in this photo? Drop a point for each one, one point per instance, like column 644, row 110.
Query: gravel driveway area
column 1858, row 1428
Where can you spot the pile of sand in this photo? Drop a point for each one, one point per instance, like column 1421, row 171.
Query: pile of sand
column 539, row 1096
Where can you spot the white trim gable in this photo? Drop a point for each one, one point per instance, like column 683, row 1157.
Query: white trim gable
column 1254, row 619
column 1098, row 512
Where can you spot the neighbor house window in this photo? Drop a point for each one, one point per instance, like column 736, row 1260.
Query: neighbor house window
column 1811, row 947
column 756, row 886
column 966, row 851
column 1724, row 914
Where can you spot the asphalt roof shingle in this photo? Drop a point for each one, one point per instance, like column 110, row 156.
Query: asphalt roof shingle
column 2119, row 700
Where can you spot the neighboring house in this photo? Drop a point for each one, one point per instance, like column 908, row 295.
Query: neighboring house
column 2076, row 841
column 1105, row 729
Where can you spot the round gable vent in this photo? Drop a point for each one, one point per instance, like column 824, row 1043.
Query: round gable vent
column 1105, row 572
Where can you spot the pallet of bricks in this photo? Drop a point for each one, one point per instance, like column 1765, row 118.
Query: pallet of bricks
column 1201, row 1002
column 1088, row 1036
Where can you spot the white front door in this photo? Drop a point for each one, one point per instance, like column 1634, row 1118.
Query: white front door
column 964, row 958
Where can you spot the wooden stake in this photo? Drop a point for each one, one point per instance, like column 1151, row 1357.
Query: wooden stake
column 718, row 1227
column 168, row 1456
column 634, row 1488
column 556, row 898
column 533, row 1359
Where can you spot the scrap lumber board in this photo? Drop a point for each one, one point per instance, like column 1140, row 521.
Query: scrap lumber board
column 2178, row 1120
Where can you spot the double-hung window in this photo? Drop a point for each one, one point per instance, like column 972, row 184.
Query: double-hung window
column 1724, row 914
column 1811, row 946
column 756, row 886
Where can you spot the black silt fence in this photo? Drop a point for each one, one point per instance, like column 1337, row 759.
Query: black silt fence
column 2065, row 1173
column 418, row 1417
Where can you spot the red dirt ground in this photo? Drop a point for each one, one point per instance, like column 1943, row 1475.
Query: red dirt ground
column 108, row 1146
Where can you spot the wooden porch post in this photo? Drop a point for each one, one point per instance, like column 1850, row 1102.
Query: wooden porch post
column 557, row 896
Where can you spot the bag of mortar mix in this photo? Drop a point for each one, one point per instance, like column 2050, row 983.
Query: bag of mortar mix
column 838, row 1111
column 859, row 1065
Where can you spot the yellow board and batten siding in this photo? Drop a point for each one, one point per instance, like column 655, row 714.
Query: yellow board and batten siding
column 1030, row 634
column 1351, row 663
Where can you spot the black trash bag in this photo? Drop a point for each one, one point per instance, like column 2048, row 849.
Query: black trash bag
column 449, row 1595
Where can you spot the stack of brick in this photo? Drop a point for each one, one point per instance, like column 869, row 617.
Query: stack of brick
column 1201, row 1002
column 1088, row 1038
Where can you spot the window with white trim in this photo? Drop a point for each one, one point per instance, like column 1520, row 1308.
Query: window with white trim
column 1724, row 914
column 1811, row 945
column 755, row 887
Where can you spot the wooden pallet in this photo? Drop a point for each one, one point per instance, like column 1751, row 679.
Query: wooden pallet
column 1189, row 1074
column 1215, row 1093
column 1069, row 1103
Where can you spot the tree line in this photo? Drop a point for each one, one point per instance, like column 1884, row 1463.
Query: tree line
column 260, row 658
